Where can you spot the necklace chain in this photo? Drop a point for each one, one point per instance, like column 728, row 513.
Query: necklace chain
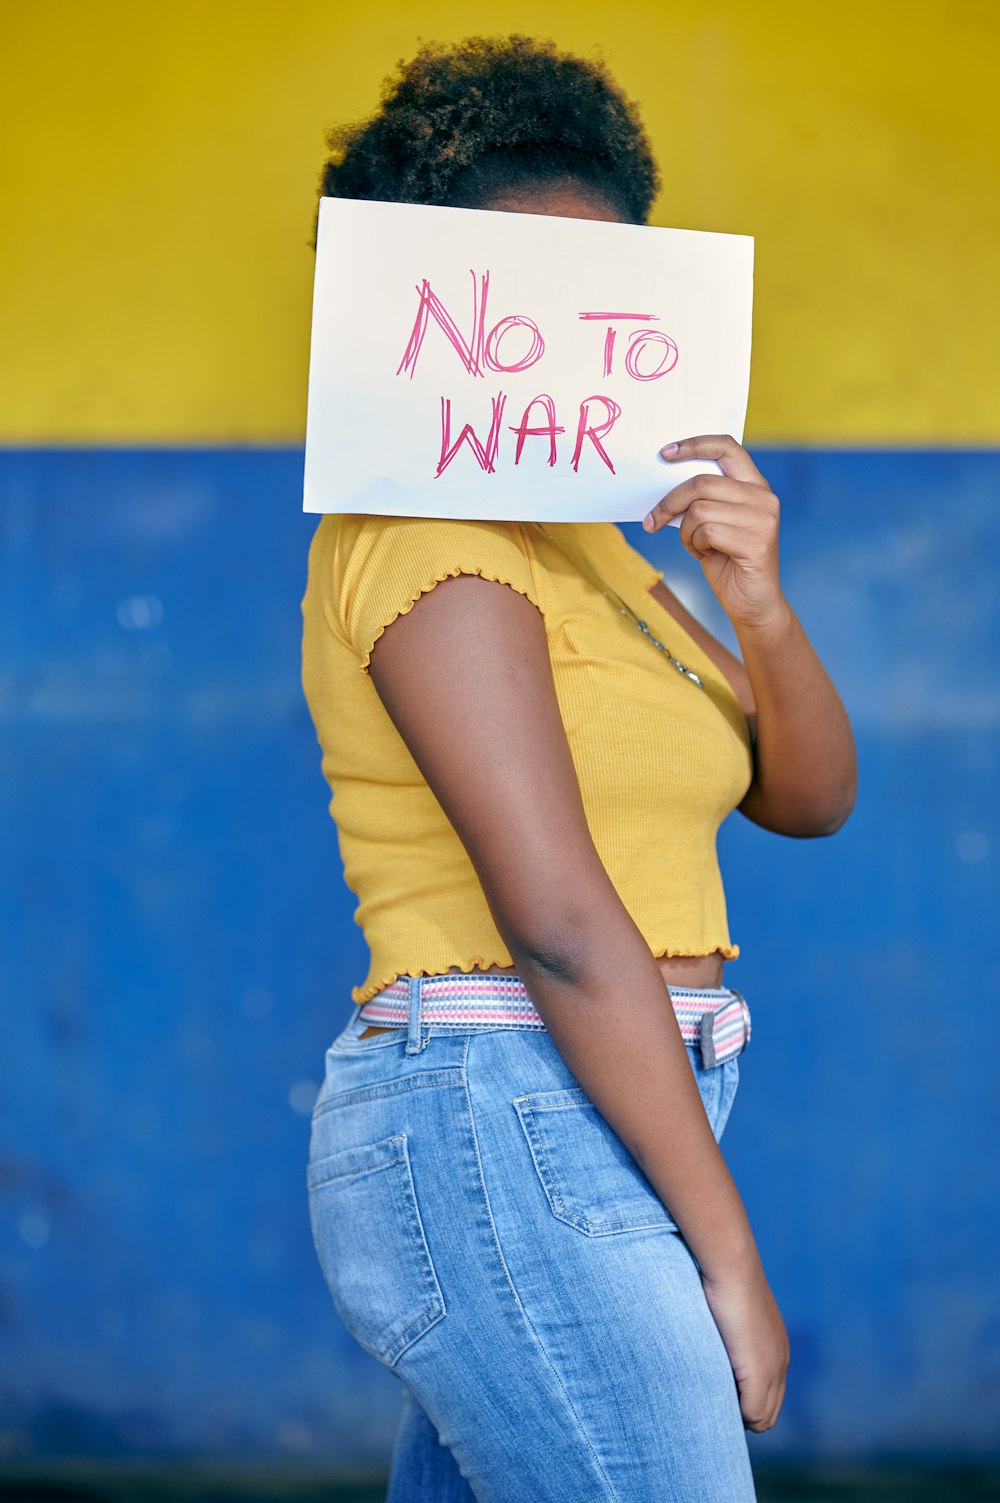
column 577, row 556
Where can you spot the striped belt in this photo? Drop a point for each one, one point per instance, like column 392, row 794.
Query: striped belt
column 715, row 1018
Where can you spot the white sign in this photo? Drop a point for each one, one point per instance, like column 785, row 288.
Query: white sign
column 503, row 366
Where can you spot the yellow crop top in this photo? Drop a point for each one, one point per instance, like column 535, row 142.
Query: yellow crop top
column 660, row 761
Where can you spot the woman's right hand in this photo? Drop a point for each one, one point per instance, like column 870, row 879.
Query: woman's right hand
column 755, row 1338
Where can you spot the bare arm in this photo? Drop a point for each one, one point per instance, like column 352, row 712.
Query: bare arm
column 506, row 781
column 805, row 766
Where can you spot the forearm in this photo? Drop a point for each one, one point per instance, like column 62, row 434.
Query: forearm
column 607, row 1009
column 805, row 778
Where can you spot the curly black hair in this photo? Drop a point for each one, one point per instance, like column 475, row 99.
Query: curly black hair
column 459, row 122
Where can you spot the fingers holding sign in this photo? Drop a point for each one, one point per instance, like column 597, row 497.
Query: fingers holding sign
column 729, row 523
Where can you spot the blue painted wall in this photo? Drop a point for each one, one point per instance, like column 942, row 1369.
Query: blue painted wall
column 177, row 951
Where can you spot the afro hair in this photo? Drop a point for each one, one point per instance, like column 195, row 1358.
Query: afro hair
column 459, row 122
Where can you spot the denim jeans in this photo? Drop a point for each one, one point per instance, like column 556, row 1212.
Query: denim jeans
column 487, row 1236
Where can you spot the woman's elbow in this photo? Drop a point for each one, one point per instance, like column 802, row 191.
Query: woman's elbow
column 843, row 806
column 804, row 822
column 834, row 823
column 829, row 820
column 561, row 941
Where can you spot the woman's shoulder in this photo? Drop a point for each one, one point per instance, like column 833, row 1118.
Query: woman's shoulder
column 366, row 529
column 407, row 546
column 347, row 546
column 374, row 568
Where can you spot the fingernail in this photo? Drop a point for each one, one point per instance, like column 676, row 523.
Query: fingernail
column 647, row 522
column 670, row 448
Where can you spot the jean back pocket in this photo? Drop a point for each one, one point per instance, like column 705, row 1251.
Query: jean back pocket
column 362, row 1204
column 590, row 1179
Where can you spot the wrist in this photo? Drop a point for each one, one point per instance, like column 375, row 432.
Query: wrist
column 732, row 1256
column 738, row 1266
column 771, row 626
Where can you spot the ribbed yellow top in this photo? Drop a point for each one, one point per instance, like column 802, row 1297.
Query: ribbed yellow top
column 660, row 761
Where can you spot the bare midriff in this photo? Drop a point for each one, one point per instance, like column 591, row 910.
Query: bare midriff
column 676, row 970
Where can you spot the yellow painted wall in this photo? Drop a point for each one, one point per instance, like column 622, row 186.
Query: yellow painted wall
column 159, row 164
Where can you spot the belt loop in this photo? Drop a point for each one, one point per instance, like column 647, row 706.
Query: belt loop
column 414, row 1044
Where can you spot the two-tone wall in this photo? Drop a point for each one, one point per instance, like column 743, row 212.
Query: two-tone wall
column 175, row 938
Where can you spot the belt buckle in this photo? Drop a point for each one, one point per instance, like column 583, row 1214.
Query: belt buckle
column 744, row 1009
column 706, row 1030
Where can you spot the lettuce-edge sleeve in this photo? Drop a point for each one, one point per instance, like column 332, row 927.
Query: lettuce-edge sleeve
column 382, row 566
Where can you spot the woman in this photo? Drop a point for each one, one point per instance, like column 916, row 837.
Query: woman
column 516, row 1188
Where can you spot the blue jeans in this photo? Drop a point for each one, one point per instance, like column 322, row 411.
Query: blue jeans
column 490, row 1240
